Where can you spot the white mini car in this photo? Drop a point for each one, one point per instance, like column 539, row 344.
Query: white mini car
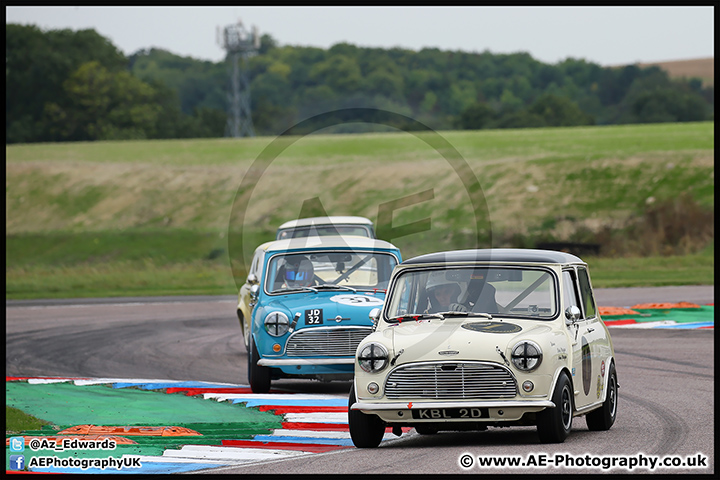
column 476, row 338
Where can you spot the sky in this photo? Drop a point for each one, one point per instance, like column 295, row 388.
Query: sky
column 603, row 35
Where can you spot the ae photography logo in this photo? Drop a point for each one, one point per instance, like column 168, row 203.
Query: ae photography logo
column 455, row 185
column 18, row 462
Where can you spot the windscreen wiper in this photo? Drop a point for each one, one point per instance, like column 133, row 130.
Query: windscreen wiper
column 416, row 316
column 465, row 314
column 333, row 286
column 294, row 289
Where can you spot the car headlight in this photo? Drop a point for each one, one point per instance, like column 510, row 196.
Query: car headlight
column 276, row 324
column 526, row 356
column 373, row 357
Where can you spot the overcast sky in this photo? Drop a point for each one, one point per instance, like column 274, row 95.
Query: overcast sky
column 603, row 35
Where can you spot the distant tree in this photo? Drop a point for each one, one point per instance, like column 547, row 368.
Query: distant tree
column 102, row 105
column 267, row 43
column 559, row 112
column 669, row 105
column 339, row 72
column 521, row 119
column 386, row 83
column 654, row 98
column 49, row 98
column 476, row 117
column 36, row 65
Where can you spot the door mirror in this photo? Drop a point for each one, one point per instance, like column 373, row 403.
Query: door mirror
column 374, row 316
column 572, row 315
column 254, row 291
column 252, row 279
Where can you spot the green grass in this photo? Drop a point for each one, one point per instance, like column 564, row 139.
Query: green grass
column 589, row 142
column 57, row 274
column 151, row 217
column 698, row 269
column 160, row 247
column 119, row 279
column 17, row 421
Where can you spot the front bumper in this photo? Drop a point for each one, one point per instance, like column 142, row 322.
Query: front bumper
column 291, row 362
column 498, row 411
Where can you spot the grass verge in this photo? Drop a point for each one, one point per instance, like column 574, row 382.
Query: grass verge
column 122, row 273
column 17, row 421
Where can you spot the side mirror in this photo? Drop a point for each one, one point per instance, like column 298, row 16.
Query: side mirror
column 374, row 316
column 252, row 279
column 572, row 315
column 254, row 291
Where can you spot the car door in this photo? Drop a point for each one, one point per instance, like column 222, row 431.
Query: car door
column 246, row 301
column 584, row 334
column 597, row 336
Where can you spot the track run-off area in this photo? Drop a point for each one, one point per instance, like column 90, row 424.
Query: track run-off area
column 165, row 379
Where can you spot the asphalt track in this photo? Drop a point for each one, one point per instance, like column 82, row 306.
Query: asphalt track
column 666, row 377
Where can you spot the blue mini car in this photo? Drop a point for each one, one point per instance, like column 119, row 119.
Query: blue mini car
column 306, row 305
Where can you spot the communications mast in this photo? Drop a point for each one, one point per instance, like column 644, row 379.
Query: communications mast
column 240, row 45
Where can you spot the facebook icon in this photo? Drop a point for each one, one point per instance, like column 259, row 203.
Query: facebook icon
column 17, row 462
column 17, row 444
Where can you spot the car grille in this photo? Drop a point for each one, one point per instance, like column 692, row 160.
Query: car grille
column 448, row 380
column 333, row 342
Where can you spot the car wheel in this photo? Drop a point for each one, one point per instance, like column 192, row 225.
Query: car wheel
column 426, row 429
column 604, row 417
column 554, row 424
column 366, row 431
column 259, row 377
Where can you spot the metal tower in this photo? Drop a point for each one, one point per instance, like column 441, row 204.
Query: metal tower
column 240, row 45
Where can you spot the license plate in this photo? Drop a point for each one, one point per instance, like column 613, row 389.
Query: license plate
column 442, row 413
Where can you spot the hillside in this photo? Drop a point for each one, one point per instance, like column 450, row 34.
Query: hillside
column 165, row 217
column 559, row 183
column 703, row 68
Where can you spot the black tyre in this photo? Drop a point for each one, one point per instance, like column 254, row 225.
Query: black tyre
column 604, row 417
column 258, row 377
column 366, row 431
column 554, row 424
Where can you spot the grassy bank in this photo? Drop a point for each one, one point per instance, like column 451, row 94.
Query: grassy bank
column 153, row 217
column 62, row 269
column 17, row 421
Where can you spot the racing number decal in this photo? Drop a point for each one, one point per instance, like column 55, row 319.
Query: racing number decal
column 358, row 300
column 314, row 316
column 586, row 366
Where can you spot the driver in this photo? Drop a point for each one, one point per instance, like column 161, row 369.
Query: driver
column 297, row 272
column 443, row 294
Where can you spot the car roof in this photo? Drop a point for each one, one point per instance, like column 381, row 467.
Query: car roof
column 338, row 220
column 509, row 255
column 328, row 241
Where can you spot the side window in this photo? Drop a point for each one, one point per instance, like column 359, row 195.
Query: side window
column 255, row 268
column 586, row 293
column 570, row 294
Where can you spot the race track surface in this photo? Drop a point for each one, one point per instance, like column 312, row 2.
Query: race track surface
column 666, row 377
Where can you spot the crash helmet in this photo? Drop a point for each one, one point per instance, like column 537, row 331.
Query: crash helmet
column 299, row 271
column 437, row 279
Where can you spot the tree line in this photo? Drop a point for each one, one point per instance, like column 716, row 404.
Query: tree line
column 64, row 85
